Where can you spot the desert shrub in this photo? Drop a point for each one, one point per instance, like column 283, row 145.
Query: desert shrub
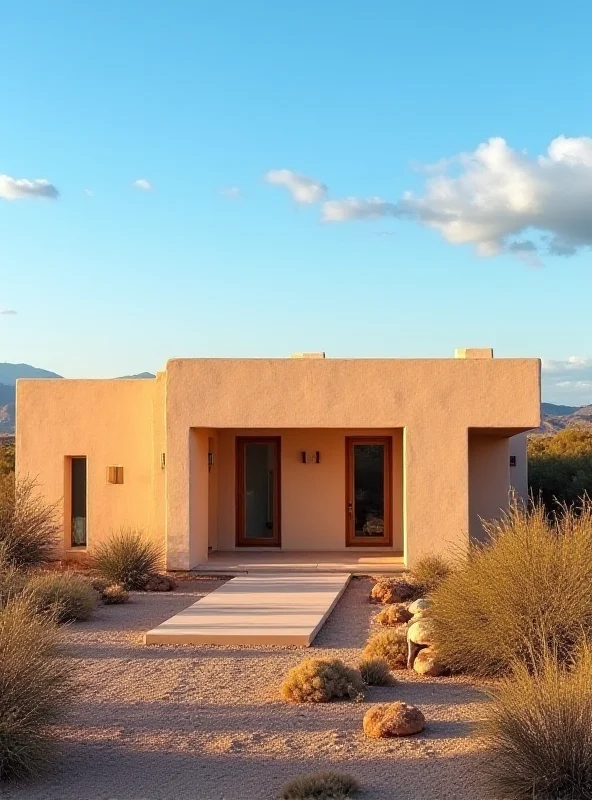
column 67, row 596
column 321, row 786
column 318, row 680
column 429, row 572
column 524, row 591
column 540, row 731
column 114, row 595
column 390, row 645
column 393, row 615
column 376, row 672
column 35, row 686
column 29, row 531
column 128, row 557
column 6, row 457
column 560, row 467
column 393, row 590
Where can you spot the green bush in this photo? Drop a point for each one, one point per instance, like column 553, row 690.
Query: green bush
column 390, row 645
column 560, row 467
column 429, row 572
column 321, row 786
column 318, row 680
column 540, row 731
column 525, row 591
column 35, row 687
column 376, row 672
column 66, row 596
column 29, row 531
column 128, row 558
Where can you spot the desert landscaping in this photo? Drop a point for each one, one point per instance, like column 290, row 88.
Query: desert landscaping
column 209, row 723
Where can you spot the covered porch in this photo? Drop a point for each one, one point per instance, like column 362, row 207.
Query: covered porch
column 280, row 562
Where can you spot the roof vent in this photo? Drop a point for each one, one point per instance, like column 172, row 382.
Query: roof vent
column 474, row 352
column 307, row 355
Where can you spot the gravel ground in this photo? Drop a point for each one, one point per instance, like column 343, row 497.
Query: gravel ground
column 207, row 723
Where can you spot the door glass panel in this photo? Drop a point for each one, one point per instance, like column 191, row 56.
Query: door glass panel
column 259, row 490
column 368, row 490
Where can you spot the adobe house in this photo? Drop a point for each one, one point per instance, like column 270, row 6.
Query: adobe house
column 343, row 459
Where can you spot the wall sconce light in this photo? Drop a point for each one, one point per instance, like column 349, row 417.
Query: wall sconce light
column 210, row 461
column 311, row 457
column 512, row 461
column 162, row 460
column 114, row 474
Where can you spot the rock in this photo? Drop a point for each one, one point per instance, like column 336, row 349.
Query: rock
column 393, row 719
column 159, row 583
column 426, row 662
column 420, row 605
column 419, row 635
column 427, row 612
column 391, row 590
column 396, row 614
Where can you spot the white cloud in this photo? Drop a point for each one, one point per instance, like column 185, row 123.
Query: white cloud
column 353, row 208
column 493, row 195
column 304, row 190
column 7, row 312
column 89, row 192
column 569, row 380
column 232, row 192
column 18, row 189
column 142, row 184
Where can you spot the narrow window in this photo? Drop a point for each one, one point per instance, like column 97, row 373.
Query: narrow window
column 78, row 500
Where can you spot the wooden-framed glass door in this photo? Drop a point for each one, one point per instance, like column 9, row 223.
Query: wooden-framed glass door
column 368, row 498
column 258, row 488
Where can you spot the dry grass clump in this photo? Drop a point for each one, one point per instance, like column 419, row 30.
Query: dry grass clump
column 318, row 680
column 67, row 596
column 128, row 558
column 114, row 595
column 393, row 615
column 29, row 532
column 390, row 645
column 392, row 719
column 393, row 590
column 376, row 672
column 540, row 731
column 430, row 572
column 321, row 786
column 523, row 593
column 35, row 687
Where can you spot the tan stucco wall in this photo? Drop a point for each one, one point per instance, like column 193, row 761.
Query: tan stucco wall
column 196, row 403
column 109, row 422
column 435, row 401
column 489, row 480
column 313, row 495
column 519, row 473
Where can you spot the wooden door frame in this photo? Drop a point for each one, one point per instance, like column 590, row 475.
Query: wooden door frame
column 239, row 502
column 350, row 538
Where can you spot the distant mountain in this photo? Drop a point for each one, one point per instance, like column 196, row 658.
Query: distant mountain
column 556, row 417
column 10, row 373
column 139, row 375
column 558, row 411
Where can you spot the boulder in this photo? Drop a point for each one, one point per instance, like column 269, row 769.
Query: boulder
column 419, row 635
column 427, row 612
column 420, row 605
column 393, row 719
column 159, row 583
column 421, row 632
column 426, row 662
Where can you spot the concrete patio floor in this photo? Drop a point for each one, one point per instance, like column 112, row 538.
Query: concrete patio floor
column 277, row 609
column 352, row 562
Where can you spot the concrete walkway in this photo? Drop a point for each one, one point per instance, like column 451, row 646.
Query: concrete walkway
column 256, row 610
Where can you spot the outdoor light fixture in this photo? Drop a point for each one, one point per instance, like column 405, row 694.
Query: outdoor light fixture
column 114, row 474
column 311, row 457
column 162, row 460
column 512, row 461
column 210, row 461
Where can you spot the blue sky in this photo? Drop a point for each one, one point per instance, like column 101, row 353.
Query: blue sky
column 214, row 256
